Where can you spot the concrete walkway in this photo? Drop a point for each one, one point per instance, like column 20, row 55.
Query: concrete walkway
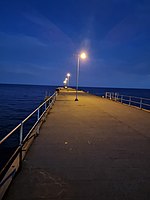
column 93, row 149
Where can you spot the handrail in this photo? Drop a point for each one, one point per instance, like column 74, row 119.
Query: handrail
column 30, row 115
column 23, row 143
column 136, row 97
column 142, row 103
column 9, row 134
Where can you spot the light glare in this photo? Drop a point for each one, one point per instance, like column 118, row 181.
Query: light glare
column 83, row 55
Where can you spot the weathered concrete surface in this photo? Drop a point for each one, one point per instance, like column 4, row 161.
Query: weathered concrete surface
column 93, row 149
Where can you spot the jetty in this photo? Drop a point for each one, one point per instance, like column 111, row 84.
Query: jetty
column 91, row 149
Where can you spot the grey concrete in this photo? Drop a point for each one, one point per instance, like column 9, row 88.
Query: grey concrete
column 93, row 149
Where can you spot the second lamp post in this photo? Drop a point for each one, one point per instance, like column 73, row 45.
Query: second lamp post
column 68, row 77
column 80, row 56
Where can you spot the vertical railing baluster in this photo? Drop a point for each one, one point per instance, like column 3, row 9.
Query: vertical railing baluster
column 141, row 103
column 20, row 143
column 53, row 100
column 115, row 96
column 21, row 134
column 38, row 114
column 45, row 105
column 121, row 98
column 54, row 97
column 130, row 101
column 50, row 103
column 38, row 117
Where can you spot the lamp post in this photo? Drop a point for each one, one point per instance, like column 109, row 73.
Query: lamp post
column 65, row 83
column 80, row 56
column 68, row 77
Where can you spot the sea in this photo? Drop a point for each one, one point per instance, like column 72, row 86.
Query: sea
column 18, row 101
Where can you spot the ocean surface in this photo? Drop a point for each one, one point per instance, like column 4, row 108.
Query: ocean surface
column 18, row 101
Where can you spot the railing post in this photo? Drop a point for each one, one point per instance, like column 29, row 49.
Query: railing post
column 38, row 114
column 54, row 97
column 38, row 117
column 50, row 103
column 45, row 105
column 141, row 103
column 110, row 97
column 121, row 98
column 20, row 143
column 21, row 134
column 130, row 101
column 115, row 96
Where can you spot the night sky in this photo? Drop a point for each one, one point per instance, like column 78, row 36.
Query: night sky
column 39, row 40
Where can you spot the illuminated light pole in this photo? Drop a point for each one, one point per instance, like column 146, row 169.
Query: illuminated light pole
column 80, row 56
column 68, row 77
column 65, row 83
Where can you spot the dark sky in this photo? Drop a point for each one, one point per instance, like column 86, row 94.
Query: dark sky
column 39, row 40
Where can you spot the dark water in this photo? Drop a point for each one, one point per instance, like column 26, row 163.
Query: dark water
column 18, row 101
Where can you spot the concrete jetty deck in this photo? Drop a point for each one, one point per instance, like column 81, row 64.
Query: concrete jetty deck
column 92, row 149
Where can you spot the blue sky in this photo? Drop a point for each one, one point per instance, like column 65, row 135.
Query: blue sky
column 39, row 40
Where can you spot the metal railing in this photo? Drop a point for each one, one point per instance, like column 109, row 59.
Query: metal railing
column 22, row 136
column 142, row 103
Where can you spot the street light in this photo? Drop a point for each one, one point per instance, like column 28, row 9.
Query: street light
column 68, row 77
column 83, row 55
column 80, row 56
column 65, row 83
